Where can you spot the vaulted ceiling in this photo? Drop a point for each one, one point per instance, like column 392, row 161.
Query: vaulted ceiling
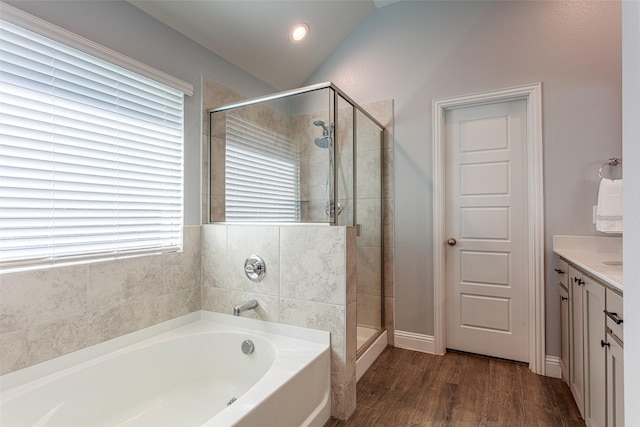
column 254, row 34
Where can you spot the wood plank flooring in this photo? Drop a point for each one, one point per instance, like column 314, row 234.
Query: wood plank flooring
column 407, row 388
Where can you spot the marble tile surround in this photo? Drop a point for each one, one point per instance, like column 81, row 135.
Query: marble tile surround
column 49, row 312
column 310, row 282
column 54, row 311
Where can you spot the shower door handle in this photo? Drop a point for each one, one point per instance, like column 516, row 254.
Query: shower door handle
column 452, row 241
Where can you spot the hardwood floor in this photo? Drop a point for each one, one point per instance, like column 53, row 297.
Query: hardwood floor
column 406, row 388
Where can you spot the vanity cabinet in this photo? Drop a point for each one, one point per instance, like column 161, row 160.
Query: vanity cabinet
column 595, row 346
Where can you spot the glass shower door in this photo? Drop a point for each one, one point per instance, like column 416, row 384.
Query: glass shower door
column 368, row 169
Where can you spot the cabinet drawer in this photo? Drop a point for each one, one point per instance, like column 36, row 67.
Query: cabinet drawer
column 562, row 271
column 614, row 313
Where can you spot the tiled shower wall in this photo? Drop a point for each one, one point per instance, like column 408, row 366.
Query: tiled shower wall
column 371, row 164
column 260, row 115
column 308, row 285
column 314, row 165
column 53, row 311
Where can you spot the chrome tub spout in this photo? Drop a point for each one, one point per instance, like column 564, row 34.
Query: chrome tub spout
column 247, row 305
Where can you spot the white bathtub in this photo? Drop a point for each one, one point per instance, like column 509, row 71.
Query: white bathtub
column 180, row 373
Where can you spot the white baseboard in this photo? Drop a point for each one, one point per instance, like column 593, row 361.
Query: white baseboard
column 425, row 344
column 415, row 342
column 552, row 367
column 365, row 361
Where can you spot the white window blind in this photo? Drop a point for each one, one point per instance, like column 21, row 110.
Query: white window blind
column 91, row 155
column 261, row 174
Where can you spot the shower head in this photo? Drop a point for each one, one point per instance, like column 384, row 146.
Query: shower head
column 325, row 129
column 323, row 142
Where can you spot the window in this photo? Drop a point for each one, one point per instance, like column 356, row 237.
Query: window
column 261, row 174
column 91, row 153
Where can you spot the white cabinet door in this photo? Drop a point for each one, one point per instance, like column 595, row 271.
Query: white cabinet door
column 576, row 347
column 615, row 382
column 595, row 392
column 562, row 274
column 564, row 332
column 615, row 359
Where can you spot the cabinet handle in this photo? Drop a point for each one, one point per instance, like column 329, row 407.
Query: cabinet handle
column 614, row 317
column 603, row 343
column 557, row 270
column 563, row 298
column 580, row 282
column 613, row 337
column 575, row 280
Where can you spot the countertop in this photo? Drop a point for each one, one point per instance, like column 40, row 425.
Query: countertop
column 591, row 253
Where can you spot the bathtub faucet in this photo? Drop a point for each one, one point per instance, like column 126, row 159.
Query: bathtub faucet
column 247, row 305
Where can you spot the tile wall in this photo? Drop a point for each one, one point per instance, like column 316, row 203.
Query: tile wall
column 306, row 285
column 315, row 164
column 49, row 312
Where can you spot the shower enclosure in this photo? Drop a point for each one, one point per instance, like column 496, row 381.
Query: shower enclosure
column 309, row 155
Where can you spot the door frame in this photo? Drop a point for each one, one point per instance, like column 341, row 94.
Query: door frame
column 532, row 94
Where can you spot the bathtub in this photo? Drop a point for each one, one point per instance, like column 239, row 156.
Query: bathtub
column 188, row 371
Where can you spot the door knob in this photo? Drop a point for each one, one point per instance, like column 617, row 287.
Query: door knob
column 452, row 242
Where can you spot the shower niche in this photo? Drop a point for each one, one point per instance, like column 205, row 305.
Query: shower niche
column 308, row 156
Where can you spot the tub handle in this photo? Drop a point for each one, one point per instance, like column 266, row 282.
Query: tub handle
column 255, row 268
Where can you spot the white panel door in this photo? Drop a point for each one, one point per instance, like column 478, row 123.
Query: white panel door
column 486, row 196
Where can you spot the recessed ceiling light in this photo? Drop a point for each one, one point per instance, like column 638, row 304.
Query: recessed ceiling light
column 299, row 32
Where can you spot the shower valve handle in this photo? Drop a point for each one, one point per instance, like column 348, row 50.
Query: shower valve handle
column 255, row 268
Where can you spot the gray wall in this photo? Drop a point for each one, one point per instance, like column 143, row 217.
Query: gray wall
column 631, row 242
column 131, row 32
column 415, row 52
